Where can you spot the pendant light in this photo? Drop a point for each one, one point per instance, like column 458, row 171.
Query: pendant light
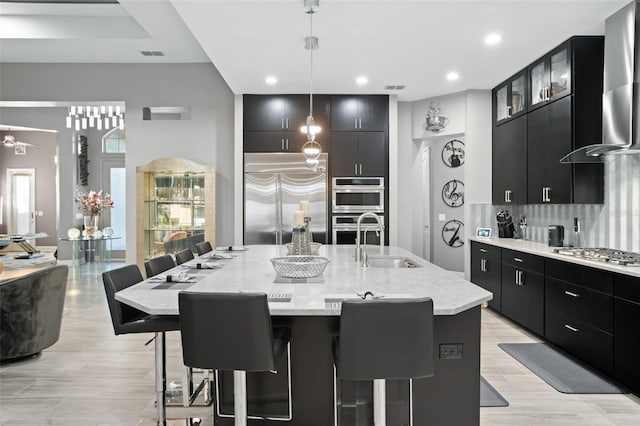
column 311, row 149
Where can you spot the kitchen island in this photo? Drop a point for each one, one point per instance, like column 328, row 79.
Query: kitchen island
column 309, row 308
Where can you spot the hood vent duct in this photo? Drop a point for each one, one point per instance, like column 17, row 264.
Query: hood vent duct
column 621, row 99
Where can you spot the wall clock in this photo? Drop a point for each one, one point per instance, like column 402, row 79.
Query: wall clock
column 453, row 193
column 453, row 153
column 453, row 233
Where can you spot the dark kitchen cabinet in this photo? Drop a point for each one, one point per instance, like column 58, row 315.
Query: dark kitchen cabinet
column 523, row 289
column 549, row 78
column 579, row 312
column 486, row 271
column 272, row 122
column 358, row 154
column 360, row 113
column 509, row 156
column 510, row 98
column 627, row 338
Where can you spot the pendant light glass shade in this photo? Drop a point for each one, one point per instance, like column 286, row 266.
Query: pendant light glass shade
column 101, row 117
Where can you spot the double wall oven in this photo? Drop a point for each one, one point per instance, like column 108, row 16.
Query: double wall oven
column 352, row 196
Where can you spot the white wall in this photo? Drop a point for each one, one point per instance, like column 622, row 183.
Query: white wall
column 206, row 138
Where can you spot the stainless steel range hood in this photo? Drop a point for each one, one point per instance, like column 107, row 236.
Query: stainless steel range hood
column 621, row 99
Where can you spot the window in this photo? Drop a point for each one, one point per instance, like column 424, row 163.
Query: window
column 114, row 141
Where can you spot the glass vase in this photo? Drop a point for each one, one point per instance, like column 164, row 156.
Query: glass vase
column 91, row 225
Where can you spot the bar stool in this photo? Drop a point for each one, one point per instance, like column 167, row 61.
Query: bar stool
column 127, row 319
column 158, row 265
column 184, row 256
column 385, row 339
column 203, row 247
column 231, row 331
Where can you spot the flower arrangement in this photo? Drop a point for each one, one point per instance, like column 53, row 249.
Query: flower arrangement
column 92, row 203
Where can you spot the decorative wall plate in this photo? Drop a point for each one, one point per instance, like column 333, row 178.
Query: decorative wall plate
column 453, row 193
column 453, row 233
column 73, row 233
column 453, row 153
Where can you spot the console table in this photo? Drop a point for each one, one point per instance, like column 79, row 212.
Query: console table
column 91, row 249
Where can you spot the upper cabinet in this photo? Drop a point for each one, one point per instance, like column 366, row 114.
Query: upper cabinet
column 360, row 113
column 549, row 77
column 510, row 98
column 561, row 112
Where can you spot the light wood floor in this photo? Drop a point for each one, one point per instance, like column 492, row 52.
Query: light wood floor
column 92, row 377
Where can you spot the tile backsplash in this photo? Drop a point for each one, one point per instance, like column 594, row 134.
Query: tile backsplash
column 614, row 224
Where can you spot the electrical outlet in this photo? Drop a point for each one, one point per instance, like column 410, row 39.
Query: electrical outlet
column 451, row 351
column 442, row 217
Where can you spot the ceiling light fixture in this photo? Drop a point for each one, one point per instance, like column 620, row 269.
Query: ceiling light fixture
column 271, row 80
column 311, row 148
column 83, row 117
column 362, row 80
column 492, row 39
column 453, row 76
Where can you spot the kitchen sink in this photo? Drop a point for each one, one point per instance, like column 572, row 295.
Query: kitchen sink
column 393, row 262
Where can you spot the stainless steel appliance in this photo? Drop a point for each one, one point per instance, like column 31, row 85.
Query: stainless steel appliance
column 617, row 257
column 357, row 194
column 274, row 185
column 556, row 235
column 344, row 229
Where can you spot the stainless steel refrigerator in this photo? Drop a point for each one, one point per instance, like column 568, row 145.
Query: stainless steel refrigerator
column 274, row 185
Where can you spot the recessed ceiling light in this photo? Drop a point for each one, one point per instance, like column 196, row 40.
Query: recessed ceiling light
column 362, row 80
column 453, row 76
column 493, row 38
column 271, row 80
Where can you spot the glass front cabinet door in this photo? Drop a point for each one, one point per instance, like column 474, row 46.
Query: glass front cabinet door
column 510, row 98
column 176, row 207
column 550, row 77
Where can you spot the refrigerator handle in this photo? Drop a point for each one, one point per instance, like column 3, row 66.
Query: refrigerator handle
column 278, row 211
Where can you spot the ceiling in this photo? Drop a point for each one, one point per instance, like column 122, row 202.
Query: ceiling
column 413, row 43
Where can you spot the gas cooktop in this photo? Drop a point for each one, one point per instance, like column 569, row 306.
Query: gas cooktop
column 616, row 257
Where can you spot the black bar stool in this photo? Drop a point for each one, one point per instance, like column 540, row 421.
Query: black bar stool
column 184, row 256
column 127, row 319
column 230, row 331
column 385, row 339
column 203, row 247
column 158, row 265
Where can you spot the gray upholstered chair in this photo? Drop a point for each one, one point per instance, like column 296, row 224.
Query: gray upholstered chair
column 158, row 265
column 215, row 335
column 385, row 339
column 31, row 312
column 184, row 256
column 203, row 247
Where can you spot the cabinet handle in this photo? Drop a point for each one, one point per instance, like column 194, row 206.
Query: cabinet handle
column 575, row 330
column 282, row 144
column 355, row 169
column 517, row 259
column 548, row 194
column 360, row 123
column 287, row 142
column 360, row 169
column 483, row 250
column 519, row 275
column 570, row 293
column 508, row 111
column 355, row 123
column 282, row 123
column 286, row 123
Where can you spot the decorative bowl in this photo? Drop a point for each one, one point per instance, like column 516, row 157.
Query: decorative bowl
column 299, row 266
column 4, row 242
column 73, row 233
column 315, row 248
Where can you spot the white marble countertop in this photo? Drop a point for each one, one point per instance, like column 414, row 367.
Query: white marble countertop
column 542, row 249
column 16, row 268
column 251, row 271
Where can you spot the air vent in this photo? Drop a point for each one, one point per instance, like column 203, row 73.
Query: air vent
column 151, row 53
column 394, row 87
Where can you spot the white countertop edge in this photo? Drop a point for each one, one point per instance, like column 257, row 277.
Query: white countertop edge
column 541, row 249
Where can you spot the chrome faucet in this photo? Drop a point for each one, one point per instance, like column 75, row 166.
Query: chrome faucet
column 360, row 251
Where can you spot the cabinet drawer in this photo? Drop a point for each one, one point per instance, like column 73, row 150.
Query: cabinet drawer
column 627, row 287
column 595, row 279
column 627, row 344
column 591, row 345
column 521, row 260
column 591, row 307
column 485, row 251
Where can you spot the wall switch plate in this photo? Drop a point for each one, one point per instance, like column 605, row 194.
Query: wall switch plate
column 451, row 350
column 79, row 216
column 442, row 217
